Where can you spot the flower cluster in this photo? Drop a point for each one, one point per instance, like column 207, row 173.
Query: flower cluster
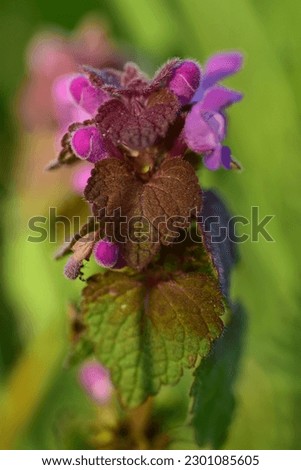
column 134, row 132
column 112, row 100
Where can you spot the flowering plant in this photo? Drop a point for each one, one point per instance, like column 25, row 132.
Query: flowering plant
column 157, row 307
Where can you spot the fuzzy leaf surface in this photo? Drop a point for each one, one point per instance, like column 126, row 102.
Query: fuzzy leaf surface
column 122, row 124
column 167, row 199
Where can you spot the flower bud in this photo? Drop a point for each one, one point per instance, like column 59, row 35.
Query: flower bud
column 106, row 253
column 185, row 81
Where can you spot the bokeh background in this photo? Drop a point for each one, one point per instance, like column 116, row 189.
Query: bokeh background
column 37, row 394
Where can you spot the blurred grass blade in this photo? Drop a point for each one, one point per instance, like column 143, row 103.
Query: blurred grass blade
column 148, row 25
column 27, row 384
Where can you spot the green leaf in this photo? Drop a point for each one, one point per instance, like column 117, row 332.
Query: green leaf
column 212, row 391
column 147, row 330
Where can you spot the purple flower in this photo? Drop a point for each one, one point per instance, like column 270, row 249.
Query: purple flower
column 95, row 379
column 199, row 134
column 204, row 131
column 221, row 66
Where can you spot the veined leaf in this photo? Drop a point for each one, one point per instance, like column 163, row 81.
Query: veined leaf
column 147, row 330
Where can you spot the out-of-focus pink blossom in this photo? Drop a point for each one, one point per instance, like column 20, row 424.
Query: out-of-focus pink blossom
column 80, row 178
column 95, row 379
column 65, row 109
column 51, row 55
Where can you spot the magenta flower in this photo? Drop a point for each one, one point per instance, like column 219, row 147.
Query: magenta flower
column 86, row 95
column 66, row 109
column 95, row 379
column 88, row 144
column 185, row 81
column 75, row 100
column 106, row 253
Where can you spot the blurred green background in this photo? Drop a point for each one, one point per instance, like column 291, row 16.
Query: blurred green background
column 264, row 134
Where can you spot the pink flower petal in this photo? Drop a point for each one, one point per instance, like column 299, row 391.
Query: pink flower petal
column 86, row 95
column 67, row 111
column 95, row 379
column 80, row 178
